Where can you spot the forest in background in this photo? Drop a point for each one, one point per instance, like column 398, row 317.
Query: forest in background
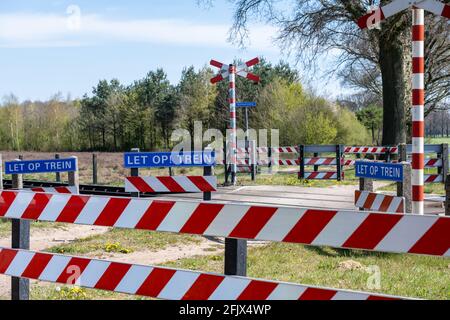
column 117, row 117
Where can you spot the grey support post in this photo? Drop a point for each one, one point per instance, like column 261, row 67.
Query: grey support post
column 252, row 158
column 339, row 153
column 301, row 159
column 444, row 156
column 20, row 232
column 134, row 172
column 57, row 174
column 402, row 153
column 74, row 178
column 365, row 184
column 94, row 169
column 404, row 189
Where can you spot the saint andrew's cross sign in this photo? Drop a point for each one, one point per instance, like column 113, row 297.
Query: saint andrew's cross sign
column 372, row 20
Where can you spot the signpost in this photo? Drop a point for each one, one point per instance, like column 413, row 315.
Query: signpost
column 379, row 170
column 246, row 105
column 169, row 159
column 418, row 84
column 231, row 71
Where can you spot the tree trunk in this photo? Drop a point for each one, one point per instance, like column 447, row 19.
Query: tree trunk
column 395, row 64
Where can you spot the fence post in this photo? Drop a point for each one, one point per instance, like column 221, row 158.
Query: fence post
column 339, row 152
column 235, row 257
column 444, row 156
column 447, row 196
column 316, row 168
column 57, row 174
column 20, row 239
column 365, row 184
column 404, row 188
column 402, row 153
column 301, row 160
column 253, row 161
column 269, row 157
column 1, row 172
column 74, row 177
column 94, row 169
column 225, row 166
column 207, row 171
column 134, row 172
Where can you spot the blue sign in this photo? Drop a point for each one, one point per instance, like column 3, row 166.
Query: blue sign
column 169, row 159
column 245, row 104
column 379, row 170
column 40, row 166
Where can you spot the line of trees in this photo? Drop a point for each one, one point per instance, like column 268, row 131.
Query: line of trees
column 117, row 117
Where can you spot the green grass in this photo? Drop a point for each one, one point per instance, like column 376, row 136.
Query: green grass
column 404, row 275
column 437, row 140
column 430, row 188
column 124, row 241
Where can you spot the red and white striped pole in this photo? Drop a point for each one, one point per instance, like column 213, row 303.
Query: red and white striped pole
column 233, row 135
column 417, row 111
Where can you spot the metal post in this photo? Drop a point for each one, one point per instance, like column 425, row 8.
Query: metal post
column 447, row 196
column 235, row 257
column 94, row 169
column 365, row 185
column 301, row 159
column 1, row 172
column 444, row 156
column 404, row 189
column 402, row 153
column 207, row 171
column 339, row 152
column 233, row 136
column 57, row 174
column 74, row 178
column 253, row 160
column 269, row 157
column 316, row 168
column 134, row 172
column 225, row 163
column 417, row 110
column 20, row 239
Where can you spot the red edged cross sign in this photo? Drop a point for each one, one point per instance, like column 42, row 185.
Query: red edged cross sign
column 241, row 70
column 382, row 13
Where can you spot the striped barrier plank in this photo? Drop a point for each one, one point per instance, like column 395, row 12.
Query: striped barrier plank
column 425, row 234
column 319, row 161
column 432, row 178
column 161, row 282
column 379, row 202
column 278, row 149
column 179, row 184
column 244, row 169
column 433, row 163
column 370, row 150
column 321, row 175
column 62, row 189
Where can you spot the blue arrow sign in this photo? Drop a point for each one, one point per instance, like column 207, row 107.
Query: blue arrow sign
column 40, row 166
column 245, row 104
column 379, row 171
column 169, row 159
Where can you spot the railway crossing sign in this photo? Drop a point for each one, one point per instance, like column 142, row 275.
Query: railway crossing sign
column 40, row 166
column 379, row 170
column 374, row 18
column 169, row 159
column 230, row 72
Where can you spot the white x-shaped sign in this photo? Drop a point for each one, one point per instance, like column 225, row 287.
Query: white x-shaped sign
column 382, row 13
column 241, row 70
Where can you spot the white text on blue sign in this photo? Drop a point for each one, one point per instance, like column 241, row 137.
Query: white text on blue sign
column 40, row 166
column 379, row 171
column 168, row 159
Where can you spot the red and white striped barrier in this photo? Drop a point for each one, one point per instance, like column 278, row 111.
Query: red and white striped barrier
column 432, row 178
column 343, row 229
column 433, row 163
column 278, row 149
column 320, row 175
column 178, row 184
column 244, row 169
column 370, row 150
column 161, row 282
column 379, row 202
column 320, row 161
column 62, row 189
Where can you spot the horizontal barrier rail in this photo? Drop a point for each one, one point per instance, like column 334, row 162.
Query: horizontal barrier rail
column 428, row 235
column 432, row 178
column 68, row 189
column 161, row 282
column 321, row 175
column 371, row 150
column 177, row 184
column 379, row 202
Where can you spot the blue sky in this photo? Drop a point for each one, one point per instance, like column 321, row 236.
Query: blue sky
column 45, row 48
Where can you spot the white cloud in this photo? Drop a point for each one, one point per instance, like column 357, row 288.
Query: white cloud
column 50, row 30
